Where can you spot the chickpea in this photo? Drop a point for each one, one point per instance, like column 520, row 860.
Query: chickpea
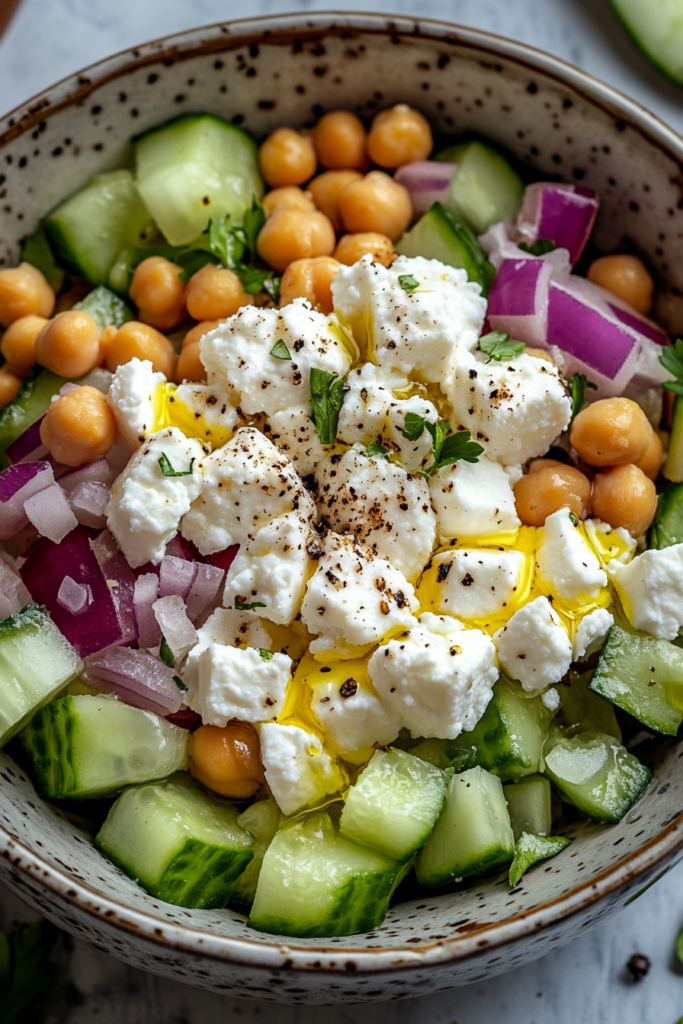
column 145, row 342
column 339, row 140
column 290, row 196
column 24, row 291
column 69, row 345
column 547, row 489
column 287, row 158
column 651, row 462
column 19, row 342
column 9, row 385
column 158, row 292
column 214, row 293
column 197, row 332
column 327, row 188
column 310, row 279
column 78, row 427
column 226, row 760
column 399, row 136
column 106, row 337
column 189, row 365
column 351, row 248
column 611, row 432
column 540, row 464
column 624, row 496
column 291, row 235
column 377, row 203
column 626, row 277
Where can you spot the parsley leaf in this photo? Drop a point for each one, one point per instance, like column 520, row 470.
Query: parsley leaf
column 242, row 606
column 497, row 345
column 252, row 222
column 179, row 683
column 408, row 283
column 449, row 448
column 266, row 655
column 280, row 350
column 327, row 396
column 253, row 280
column 193, row 262
column 168, row 470
column 414, row 426
column 165, row 653
column 272, row 287
column 538, row 248
column 672, row 360
column 227, row 243
column 577, row 388
column 438, row 431
column 375, row 448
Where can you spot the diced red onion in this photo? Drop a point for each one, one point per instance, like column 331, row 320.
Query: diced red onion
column 179, row 547
column 97, row 472
column 13, row 593
column 428, row 182
column 66, row 388
column 562, row 213
column 74, row 597
column 88, row 502
column 223, row 559
column 186, row 718
column 176, row 576
column 120, row 580
column 145, row 594
column 204, row 590
column 136, row 677
column 50, row 513
column 17, row 484
column 174, row 623
column 27, row 447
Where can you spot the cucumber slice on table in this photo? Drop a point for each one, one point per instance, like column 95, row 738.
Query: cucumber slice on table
column 395, row 803
column 177, row 842
column 596, row 774
column 196, row 168
column 656, row 28
column 643, row 676
column 36, row 661
column 85, row 747
column 667, row 525
column 473, row 835
column 261, row 820
column 88, row 230
column 530, row 849
column 315, row 882
column 673, row 467
column 439, row 235
column 529, row 805
column 106, row 308
column 28, row 405
column 484, row 188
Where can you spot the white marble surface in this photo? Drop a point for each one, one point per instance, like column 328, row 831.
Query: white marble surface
column 586, row 981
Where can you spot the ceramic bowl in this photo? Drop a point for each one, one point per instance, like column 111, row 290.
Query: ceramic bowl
column 289, row 70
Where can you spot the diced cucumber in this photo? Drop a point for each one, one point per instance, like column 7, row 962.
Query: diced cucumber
column 656, row 28
column 85, row 747
column 529, row 805
column 30, row 402
column 596, row 774
column 193, row 169
column 106, row 308
column 180, row 844
column 530, row 849
column 35, row 249
column 667, row 525
column 643, row 676
column 581, row 710
column 36, row 661
column 88, row 229
column 507, row 740
column 395, row 803
column 673, row 467
column 439, row 235
column 315, row 882
column 473, row 835
column 484, row 188
column 261, row 820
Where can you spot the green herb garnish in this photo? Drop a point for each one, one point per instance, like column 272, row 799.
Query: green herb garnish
column 242, row 606
column 672, row 360
column 165, row 653
column 327, row 396
column 408, row 283
column 280, row 350
column 252, row 222
column 497, row 345
column 577, row 388
column 168, row 470
column 447, row 448
column 375, row 448
column 538, row 248
column 179, row 683
column 266, row 655
column 414, row 426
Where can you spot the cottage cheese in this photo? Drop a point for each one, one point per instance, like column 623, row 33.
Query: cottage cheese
column 210, row 406
column 293, row 432
column 473, row 583
column 592, row 629
column 568, row 566
column 651, row 589
column 131, row 399
column 534, row 647
column 239, row 683
column 298, row 771
column 473, row 499
column 225, row 626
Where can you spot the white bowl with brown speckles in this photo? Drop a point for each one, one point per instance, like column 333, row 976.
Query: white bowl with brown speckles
column 288, row 70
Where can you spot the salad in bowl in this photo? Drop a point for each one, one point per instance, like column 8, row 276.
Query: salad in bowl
column 341, row 516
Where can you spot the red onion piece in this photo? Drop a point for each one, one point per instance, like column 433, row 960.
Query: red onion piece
column 27, row 447
column 176, row 576
column 179, row 632
column 136, row 677
column 186, row 718
column 428, row 182
column 74, row 597
column 223, row 559
column 13, row 593
column 17, row 484
column 563, row 213
column 97, row 472
column 204, row 590
column 177, row 548
column 88, row 502
column 144, row 596
column 50, row 513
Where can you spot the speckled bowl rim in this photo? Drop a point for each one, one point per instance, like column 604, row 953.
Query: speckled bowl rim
column 262, row 952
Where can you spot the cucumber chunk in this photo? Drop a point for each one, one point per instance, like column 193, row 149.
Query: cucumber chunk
column 177, row 842
column 596, row 774
column 316, row 883
column 673, row 467
column 507, row 740
column 667, row 526
column 36, row 661
column 484, row 188
column 261, row 821
column 196, row 168
column 28, row 405
column 106, row 308
column 643, row 676
column 439, row 235
column 582, row 711
column 395, row 803
column 35, row 249
column 529, row 805
column 473, row 835
column 530, row 849
column 84, row 747
column 657, row 30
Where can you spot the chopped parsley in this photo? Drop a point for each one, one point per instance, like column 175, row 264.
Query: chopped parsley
column 166, row 654
column 375, row 448
column 179, row 683
column 447, row 448
column 266, row 655
column 538, row 248
column 242, row 606
column 280, row 350
column 672, row 360
column 577, row 388
column 408, row 283
column 168, row 470
column 327, row 396
column 497, row 345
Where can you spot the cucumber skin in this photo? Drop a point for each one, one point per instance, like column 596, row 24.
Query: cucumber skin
column 106, row 308
column 673, row 467
column 465, row 246
column 31, row 401
column 586, row 795
column 638, row 43
column 54, row 772
column 667, row 525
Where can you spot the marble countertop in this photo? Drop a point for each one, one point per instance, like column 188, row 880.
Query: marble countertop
column 586, row 981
